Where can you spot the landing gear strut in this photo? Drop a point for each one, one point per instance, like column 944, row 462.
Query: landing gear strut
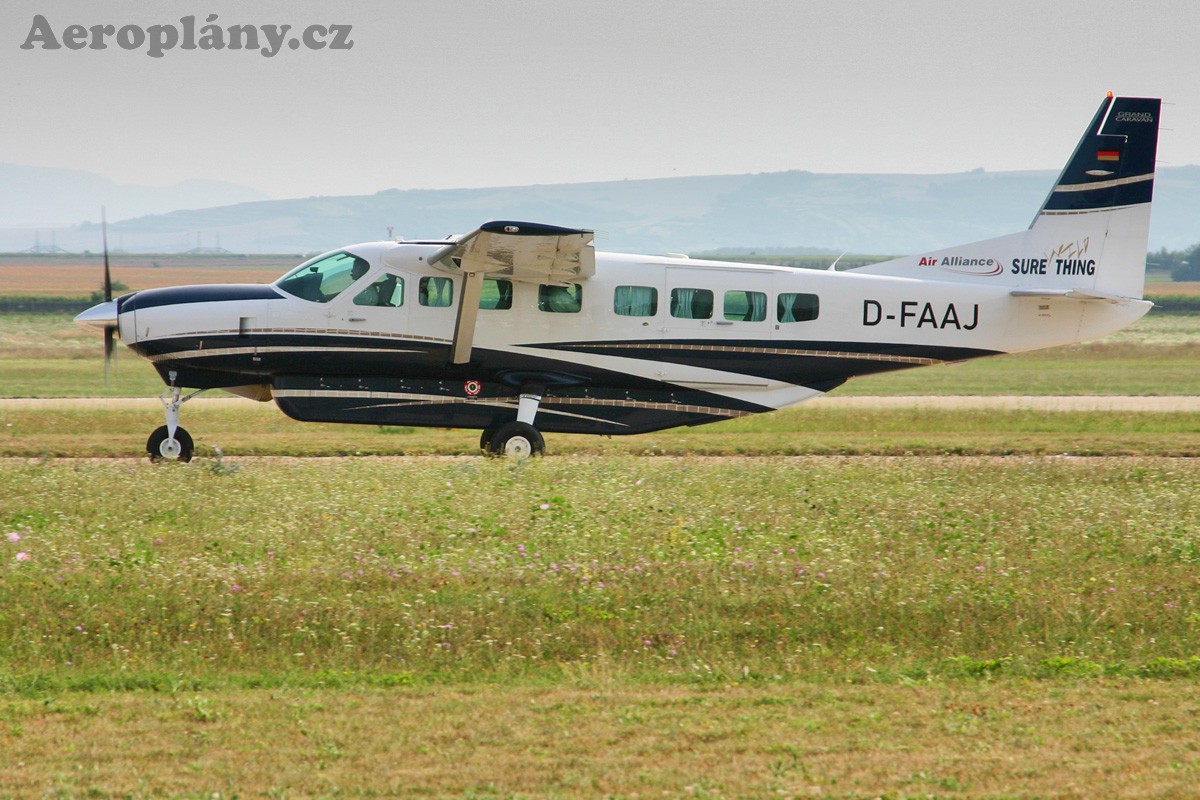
column 170, row 442
column 519, row 439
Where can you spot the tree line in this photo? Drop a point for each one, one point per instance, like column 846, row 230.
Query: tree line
column 1184, row 265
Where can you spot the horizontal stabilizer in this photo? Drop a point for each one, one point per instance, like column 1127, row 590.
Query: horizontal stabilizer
column 1073, row 294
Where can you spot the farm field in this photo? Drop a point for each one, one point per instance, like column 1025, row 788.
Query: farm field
column 79, row 276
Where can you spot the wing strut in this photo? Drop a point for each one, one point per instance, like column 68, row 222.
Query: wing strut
column 468, row 312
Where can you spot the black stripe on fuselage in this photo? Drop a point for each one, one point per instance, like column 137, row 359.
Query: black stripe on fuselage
column 178, row 295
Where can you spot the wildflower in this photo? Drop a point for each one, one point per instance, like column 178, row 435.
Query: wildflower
column 235, row 588
column 544, row 506
column 13, row 536
column 22, row 556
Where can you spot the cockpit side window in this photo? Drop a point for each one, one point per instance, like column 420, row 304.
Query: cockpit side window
column 388, row 291
column 322, row 280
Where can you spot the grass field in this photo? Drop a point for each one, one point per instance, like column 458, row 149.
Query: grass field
column 601, row 627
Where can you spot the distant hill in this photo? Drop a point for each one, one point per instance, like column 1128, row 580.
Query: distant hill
column 49, row 196
column 782, row 211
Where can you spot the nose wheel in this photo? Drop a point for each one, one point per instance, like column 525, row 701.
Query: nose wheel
column 170, row 442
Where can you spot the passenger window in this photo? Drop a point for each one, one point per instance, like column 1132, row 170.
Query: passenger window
column 635, row 301
column 436, row 292
column 496, row 295
column 388, row 291
column 692, row 303
column 746, row 306
column 560, row 299
column 797, row 307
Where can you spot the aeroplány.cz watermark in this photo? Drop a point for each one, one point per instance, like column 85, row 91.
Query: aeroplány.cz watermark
column 156, row 40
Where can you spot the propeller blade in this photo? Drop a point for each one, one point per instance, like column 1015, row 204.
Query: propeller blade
column 107, row 274
column 109, row 347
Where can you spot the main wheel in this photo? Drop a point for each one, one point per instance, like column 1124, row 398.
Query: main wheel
column 517, row 440
column 163, row 448
column 485, row 439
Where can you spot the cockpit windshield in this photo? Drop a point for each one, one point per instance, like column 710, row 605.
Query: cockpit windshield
column 325, row 278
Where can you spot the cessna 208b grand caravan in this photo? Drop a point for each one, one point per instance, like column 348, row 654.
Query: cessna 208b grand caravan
column 520, row 328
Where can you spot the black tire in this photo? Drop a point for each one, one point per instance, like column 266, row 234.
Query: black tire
column 485, row 440
column 517, row 440
column 155, row 445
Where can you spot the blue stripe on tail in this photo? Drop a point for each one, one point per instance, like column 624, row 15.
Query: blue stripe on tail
column 1113, row 165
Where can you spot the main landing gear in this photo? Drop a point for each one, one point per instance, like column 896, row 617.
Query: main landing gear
column 517, row 440
column 170, row 442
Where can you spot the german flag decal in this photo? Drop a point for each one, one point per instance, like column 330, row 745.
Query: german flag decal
column 1108, row 155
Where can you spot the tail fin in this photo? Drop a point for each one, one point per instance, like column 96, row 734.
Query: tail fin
column 1113, row 165
column 1100, row 205
column 1090, row 234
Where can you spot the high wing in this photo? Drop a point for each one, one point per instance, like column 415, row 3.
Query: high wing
column 522, row 251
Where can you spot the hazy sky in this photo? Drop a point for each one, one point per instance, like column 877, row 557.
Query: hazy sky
column 458, row 93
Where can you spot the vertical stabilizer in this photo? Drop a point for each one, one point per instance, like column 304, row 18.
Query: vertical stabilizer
column 1095, row 223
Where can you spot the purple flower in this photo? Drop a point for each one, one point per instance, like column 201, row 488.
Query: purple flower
column 14, row 537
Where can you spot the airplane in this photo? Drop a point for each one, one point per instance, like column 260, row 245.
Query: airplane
column 521, row 328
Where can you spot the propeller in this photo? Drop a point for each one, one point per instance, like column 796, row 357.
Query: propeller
column 109, row 330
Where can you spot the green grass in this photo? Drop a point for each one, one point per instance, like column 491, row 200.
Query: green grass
column 659, row 570
column 583, row 627
column 592, row 738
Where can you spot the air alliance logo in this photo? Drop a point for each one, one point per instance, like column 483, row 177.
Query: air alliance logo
column 963, row 265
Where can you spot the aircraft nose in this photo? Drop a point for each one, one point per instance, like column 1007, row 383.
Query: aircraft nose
column 99, row 316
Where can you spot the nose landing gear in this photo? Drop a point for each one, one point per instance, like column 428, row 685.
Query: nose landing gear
column 171, row 442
